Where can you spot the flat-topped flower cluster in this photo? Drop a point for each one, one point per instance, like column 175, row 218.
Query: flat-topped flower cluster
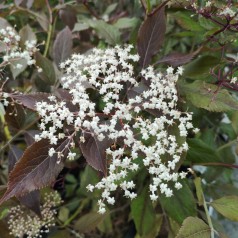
column 139, row 117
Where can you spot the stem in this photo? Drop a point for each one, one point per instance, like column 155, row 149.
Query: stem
column 209, row 220
column 50, row 30
column 204, row 203
column 67, row 222
column 148, row 6
column 6, row 130
column 227, row 145
column 48, row 40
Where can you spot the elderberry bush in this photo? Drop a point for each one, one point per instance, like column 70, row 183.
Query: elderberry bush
column 118, row 118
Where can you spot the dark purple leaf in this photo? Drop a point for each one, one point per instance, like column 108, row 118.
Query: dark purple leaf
column 35, row 169
column 30, row 136
column 13, row 156
column 30, row 100
column 94, row 152
column 64, row 95
column 138, row 90
column 15, row 118
column 32, row 199
column 151, row 36
column 62, row 46
column 176, row 59
column 68, row 16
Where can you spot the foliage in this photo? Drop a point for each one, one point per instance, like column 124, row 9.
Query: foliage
column 131, row 81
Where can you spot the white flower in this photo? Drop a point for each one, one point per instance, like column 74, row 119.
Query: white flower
column 51, row 152
column 233, row 80
column 71, row 156
column 108, row 72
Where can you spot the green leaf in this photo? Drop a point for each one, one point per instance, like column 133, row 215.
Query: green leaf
column 199, row 192
column 2, row 110
column 89, row 175
column 63, row 214
column 185, row 20
column 207, row 23
column 126, row 22
column 106, row 226
column 107, row 32
column 156, row 229
column 200, row 152
column 208, row 96
column 234, row 121
column 89, row 221
column 181, row 205
column 227, row 206
column 200, row 66
column 4, row 213
column 173, row 228
column 47, row 67
column 143, row 213
column 194, row 227
column 80, row 26
column 110, row 9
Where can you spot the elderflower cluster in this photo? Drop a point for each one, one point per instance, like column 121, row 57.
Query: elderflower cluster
column 21, row 222
column 158, row 140
column 11, row 50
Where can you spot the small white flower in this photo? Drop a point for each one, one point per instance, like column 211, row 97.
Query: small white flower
column 107, row 72
column 51, row 152
column 233, row 80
